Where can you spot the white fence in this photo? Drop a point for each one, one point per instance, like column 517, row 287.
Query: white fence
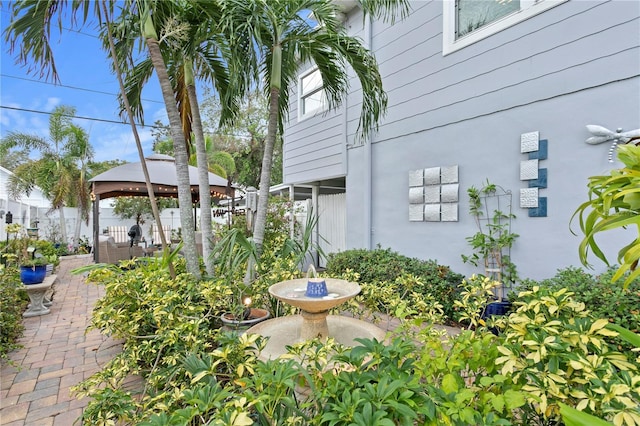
column 332, row 223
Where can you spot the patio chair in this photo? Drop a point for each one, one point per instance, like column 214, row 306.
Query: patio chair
column 119, row 233
column 111, row 252
column 155, row 232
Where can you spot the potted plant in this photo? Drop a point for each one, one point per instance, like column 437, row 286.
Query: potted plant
column 490, row 206
column 33, row 271
column 21, row 251
column 233, row 253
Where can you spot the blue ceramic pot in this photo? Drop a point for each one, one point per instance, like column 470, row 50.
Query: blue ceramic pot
column 33, row 274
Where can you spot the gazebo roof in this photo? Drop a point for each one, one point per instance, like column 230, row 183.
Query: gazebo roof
column 128, row 180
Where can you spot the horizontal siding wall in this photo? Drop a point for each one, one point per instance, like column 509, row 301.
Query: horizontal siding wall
column 574, row 46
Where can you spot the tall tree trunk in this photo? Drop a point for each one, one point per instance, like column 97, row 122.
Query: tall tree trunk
column 181, row 158
column 63, row 226
column 76, row 231
column 265, row 174
column 269, row 144
column 203, row 169
column 134, row 130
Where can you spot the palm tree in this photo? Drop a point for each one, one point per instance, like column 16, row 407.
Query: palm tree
column 196, row 50
column 285, row 39
column 81, row 150
column 28, row 34
column 56, row 171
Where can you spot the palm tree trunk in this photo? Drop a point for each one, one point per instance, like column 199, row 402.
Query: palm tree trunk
column 76, row 231
column 181, row 158
column 134, row 130
column 203, row 169
column 63, row 226
column 265, row 173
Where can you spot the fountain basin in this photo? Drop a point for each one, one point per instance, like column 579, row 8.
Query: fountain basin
column 288, row 330
column 292, row 292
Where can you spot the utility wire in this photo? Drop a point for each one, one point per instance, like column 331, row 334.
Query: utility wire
column 103, row 120
column 68, row 87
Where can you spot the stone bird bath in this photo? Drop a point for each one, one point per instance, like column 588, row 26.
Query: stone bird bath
column 314, row 320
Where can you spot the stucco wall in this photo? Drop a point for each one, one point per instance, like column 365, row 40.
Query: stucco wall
column 489, row 148
column 575, row 64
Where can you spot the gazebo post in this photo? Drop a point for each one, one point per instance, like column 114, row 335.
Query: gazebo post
column 96, row 227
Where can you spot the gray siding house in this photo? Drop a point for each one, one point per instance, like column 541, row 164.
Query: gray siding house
column 476, row 93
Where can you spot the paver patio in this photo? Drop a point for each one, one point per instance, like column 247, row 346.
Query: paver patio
column 57, row 354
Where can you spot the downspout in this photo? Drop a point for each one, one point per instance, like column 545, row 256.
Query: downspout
column 368, row 159
column 315, row 193
column 96, row 227
column 292, row 211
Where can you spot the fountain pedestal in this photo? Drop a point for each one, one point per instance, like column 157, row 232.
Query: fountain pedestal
column 314, row 325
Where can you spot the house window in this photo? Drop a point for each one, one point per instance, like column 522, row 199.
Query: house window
column 469, row 21
column 312, row 98
column 472, row 15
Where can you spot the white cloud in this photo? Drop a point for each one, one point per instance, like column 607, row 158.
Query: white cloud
column 51, row 104
column 112, row 142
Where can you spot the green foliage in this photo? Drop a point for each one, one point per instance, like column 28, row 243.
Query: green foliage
column 476, row 293
column 614, row 202
column 603, row 298
column 494, row 239
column 24, row 251
column 13, row 302
column 549, row 351
column 379, row 266
column 558, row 353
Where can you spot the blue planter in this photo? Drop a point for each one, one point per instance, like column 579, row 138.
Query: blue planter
column 33, row 274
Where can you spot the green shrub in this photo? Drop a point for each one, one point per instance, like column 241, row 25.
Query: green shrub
column 602, row 297
column 12, row 305
column 554, row 348
column 385, row 266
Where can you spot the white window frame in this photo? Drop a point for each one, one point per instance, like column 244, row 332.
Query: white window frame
column 302, row 96
column 528, row 8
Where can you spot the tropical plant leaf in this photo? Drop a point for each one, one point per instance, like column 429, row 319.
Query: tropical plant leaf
column 573, row 417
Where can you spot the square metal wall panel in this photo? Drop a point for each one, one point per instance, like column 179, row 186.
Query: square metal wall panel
column 434, row 194
column 529, row 169
column 529, row 142
column 432, row 212
column 416, row 177
column 416, row 213
column 432, row 176
column 416, row 195
column 449, row 193
column 449, row 212
column 529, row 198
column 449, row 174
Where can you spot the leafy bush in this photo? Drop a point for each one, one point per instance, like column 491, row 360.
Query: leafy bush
column 12, row 305
column 424, row 377
column 602, row 297
column 548, row 351
column 556, row 351
column 385, row 266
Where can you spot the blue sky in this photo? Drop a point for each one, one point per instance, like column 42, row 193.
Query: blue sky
column 86, row 83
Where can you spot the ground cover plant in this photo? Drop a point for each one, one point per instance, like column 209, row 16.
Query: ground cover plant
column 12, row 304
column 548, row 352
column 602, row 297
column 551, row 355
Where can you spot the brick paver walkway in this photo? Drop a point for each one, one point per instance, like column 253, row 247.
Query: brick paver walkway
column 57, row 354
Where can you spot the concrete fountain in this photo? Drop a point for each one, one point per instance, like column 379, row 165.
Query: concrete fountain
column 314, row 320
